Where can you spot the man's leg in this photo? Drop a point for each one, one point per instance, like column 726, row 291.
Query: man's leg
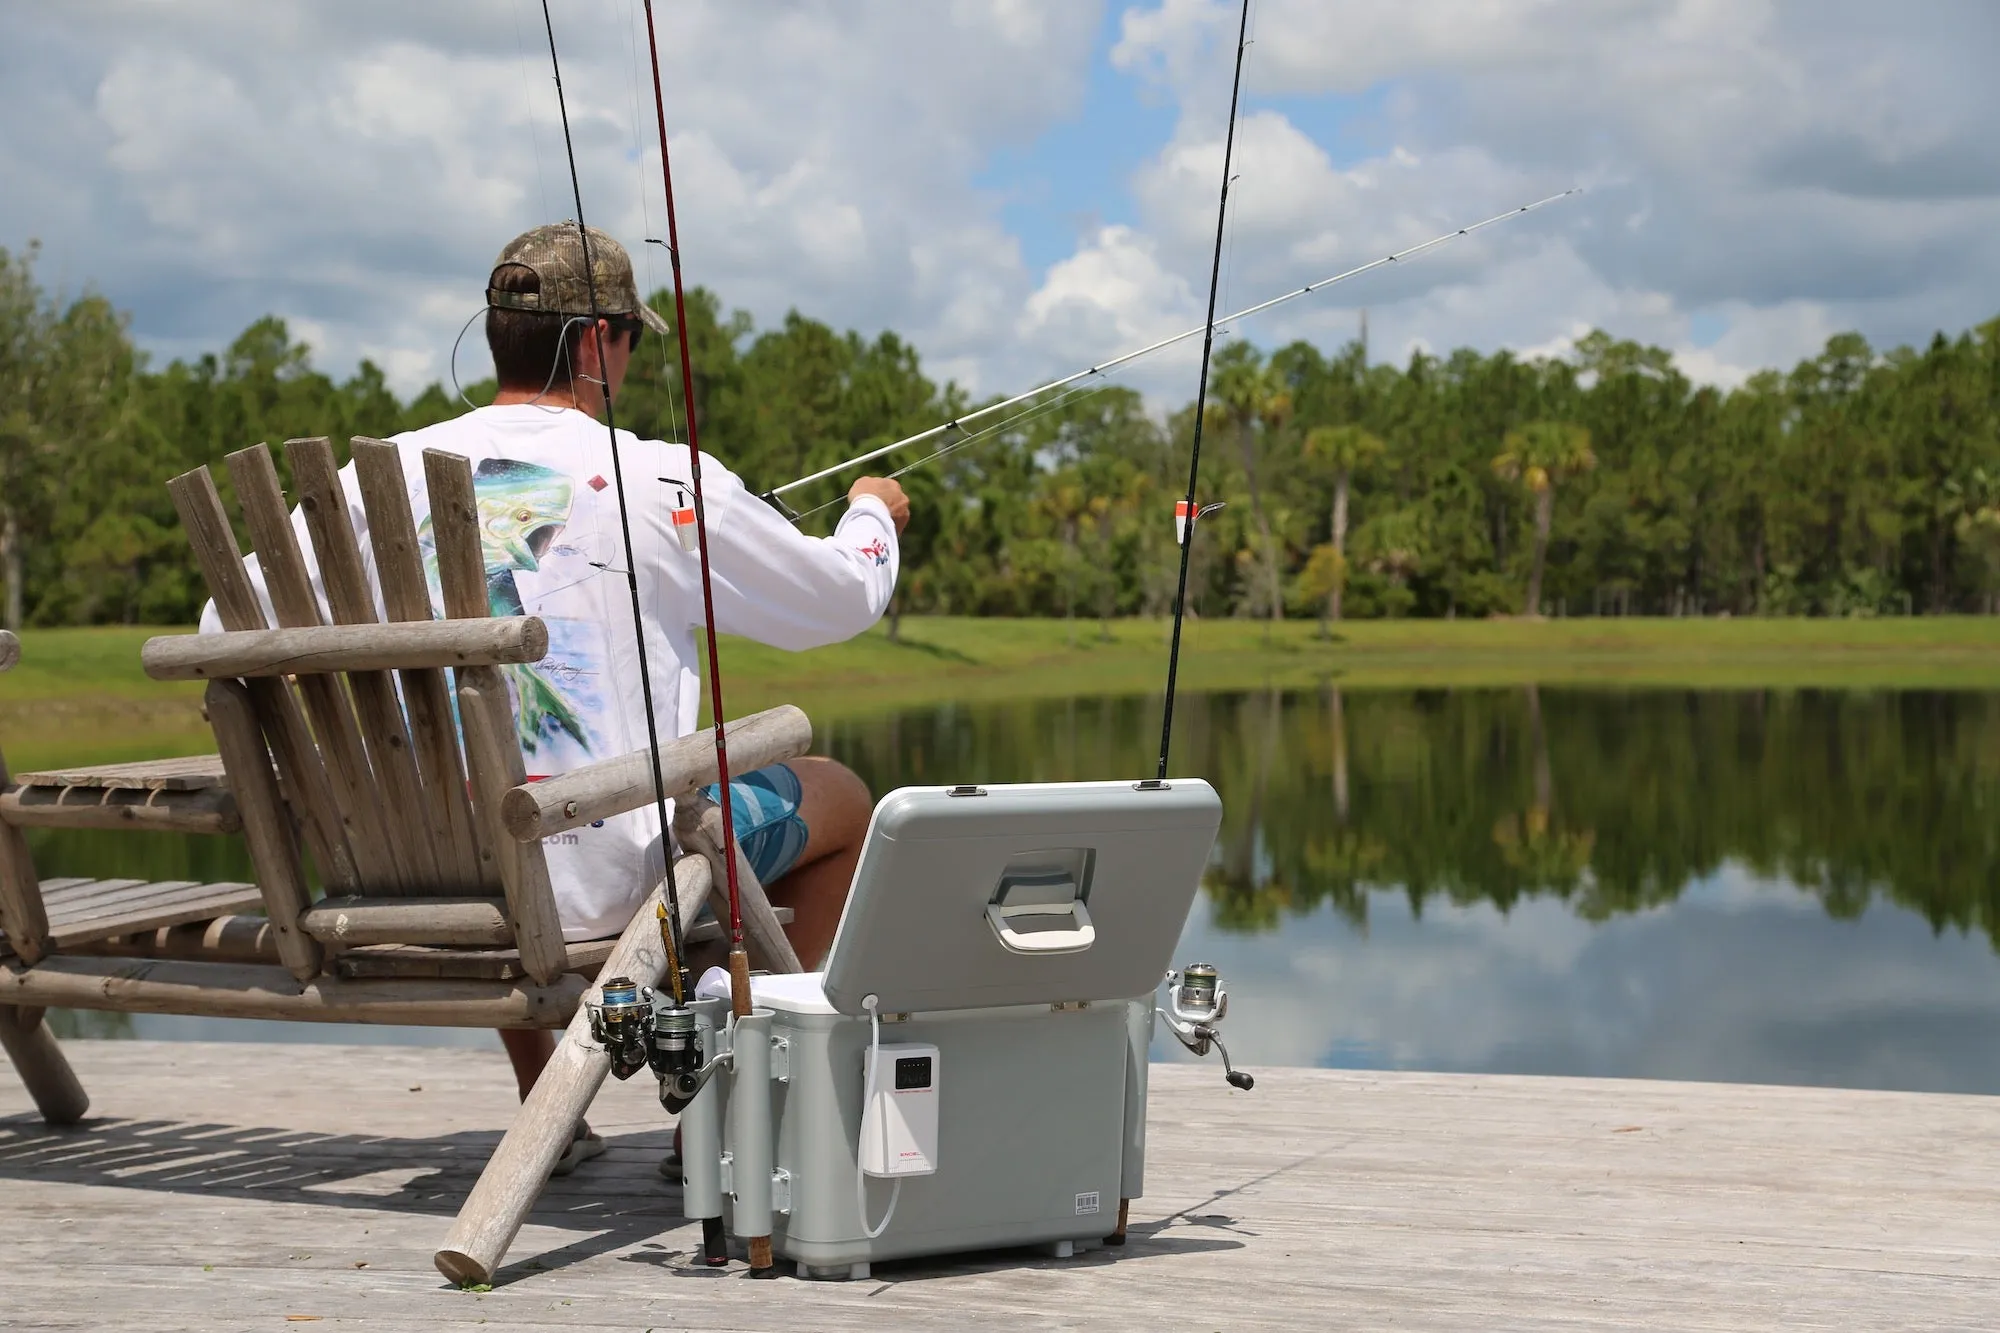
column 835, row 805
column 529, row 1050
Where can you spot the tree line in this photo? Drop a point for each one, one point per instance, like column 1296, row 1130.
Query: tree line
column 1860, row 482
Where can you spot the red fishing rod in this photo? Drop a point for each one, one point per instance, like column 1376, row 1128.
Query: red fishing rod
column 739, row 961
column 739, row 958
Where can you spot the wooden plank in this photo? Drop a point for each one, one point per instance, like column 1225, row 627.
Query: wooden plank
column 1323, row 1200
column 493, row 753
column 492, row 745
column 223, row 939
column 349, row 922
column 519, row 1169
column 246, row 990
column 305, row 786
column 599, row 791
column 357, row 798
column 215, row 550
column 399, row 569
column 86, row 899
column 415, row 960
column 455, row 534
column 300, row 768
column 266, row 833
column 331, row 648
column 210, row 811
column 197, row 772
column 171, row 906
column 351, row 598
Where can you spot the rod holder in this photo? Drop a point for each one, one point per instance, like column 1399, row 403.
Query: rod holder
column 1138, row 1051
column 701, row 1130
column 750, row 1135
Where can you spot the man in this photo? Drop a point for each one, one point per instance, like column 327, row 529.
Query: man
column 551, row 530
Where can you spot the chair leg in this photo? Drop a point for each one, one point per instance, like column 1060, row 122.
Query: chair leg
column 42, row 1066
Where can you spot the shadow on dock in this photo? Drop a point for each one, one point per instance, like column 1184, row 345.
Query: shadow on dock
column 619, row 1193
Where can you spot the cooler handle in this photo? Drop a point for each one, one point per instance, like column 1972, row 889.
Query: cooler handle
column 1075, row 940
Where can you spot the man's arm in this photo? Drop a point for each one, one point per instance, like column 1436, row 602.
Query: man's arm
column 778, row 586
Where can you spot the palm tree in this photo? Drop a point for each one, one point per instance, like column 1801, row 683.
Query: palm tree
column 1539, row 455
column 1255, row 396
column 1347, row 450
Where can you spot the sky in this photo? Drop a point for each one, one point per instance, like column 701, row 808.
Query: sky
column 1026, row 187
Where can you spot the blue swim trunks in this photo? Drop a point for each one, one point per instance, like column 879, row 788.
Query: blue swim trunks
column 764, row 807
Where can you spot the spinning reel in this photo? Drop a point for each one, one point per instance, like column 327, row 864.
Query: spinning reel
column 641, row 1030
column 1196, row 1006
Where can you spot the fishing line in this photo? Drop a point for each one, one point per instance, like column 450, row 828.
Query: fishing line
column 528, row 98
column 1220, row 323
column 677, row 981
column 1003, row 425
column 1192, row 521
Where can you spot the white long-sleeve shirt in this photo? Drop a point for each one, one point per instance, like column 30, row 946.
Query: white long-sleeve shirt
column 549, row 525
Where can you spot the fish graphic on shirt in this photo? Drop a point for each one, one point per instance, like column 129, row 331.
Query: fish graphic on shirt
column 523, row 508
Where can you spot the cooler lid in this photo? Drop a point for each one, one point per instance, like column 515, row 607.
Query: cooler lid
column 1034, row 893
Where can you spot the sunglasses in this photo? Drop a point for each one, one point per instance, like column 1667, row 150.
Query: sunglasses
column 628, row 324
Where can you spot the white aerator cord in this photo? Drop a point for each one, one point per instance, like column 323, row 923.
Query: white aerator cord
column 870, row 1003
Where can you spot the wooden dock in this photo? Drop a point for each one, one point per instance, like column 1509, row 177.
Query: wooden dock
column 244, row 1186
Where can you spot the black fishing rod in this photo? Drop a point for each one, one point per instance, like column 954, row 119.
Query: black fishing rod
column 1188, row 515
column 671, row 933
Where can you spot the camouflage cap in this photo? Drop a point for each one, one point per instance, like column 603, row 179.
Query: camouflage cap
column 555, row 253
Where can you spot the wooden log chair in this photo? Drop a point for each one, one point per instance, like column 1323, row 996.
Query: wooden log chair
column 338, row 741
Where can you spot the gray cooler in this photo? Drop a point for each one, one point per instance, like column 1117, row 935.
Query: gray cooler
column 1021, row 932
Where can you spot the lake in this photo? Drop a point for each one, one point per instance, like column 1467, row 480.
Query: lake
column 1786, row 887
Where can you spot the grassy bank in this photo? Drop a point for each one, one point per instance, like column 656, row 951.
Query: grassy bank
column 78, row 694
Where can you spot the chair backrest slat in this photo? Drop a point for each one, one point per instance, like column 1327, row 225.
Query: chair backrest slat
column 357, row 796
column 399, row 568
column 381, row 766
column 492, row 746
column 301, row 772
column 379, row 711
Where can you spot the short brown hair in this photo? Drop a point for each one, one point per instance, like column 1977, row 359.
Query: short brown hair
column 531, row 349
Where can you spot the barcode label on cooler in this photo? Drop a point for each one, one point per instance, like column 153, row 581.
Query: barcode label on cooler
column 1086, row 1203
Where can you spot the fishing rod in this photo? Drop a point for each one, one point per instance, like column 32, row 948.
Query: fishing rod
column 959, row 422
column 739, row 958
column 1186, row 511
column 671, row 931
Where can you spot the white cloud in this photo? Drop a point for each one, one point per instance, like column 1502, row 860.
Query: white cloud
column 358, row 166
column 1778, row 171
column 1789, row 169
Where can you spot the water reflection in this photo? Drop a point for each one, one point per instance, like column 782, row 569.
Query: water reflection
column 1608, row 801
column 1795, row 887
column 1742, row 886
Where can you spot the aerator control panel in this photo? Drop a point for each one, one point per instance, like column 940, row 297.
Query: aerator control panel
column 899, row 1125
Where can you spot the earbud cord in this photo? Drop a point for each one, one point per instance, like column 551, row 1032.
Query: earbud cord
column 870, row 1003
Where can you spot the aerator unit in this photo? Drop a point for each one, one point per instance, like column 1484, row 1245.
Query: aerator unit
column 970, row 1070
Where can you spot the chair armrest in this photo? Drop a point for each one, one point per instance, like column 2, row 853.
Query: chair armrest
column 400, row 646
column 570, row 800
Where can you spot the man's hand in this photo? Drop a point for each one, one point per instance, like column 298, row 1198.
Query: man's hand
column 889, row 492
